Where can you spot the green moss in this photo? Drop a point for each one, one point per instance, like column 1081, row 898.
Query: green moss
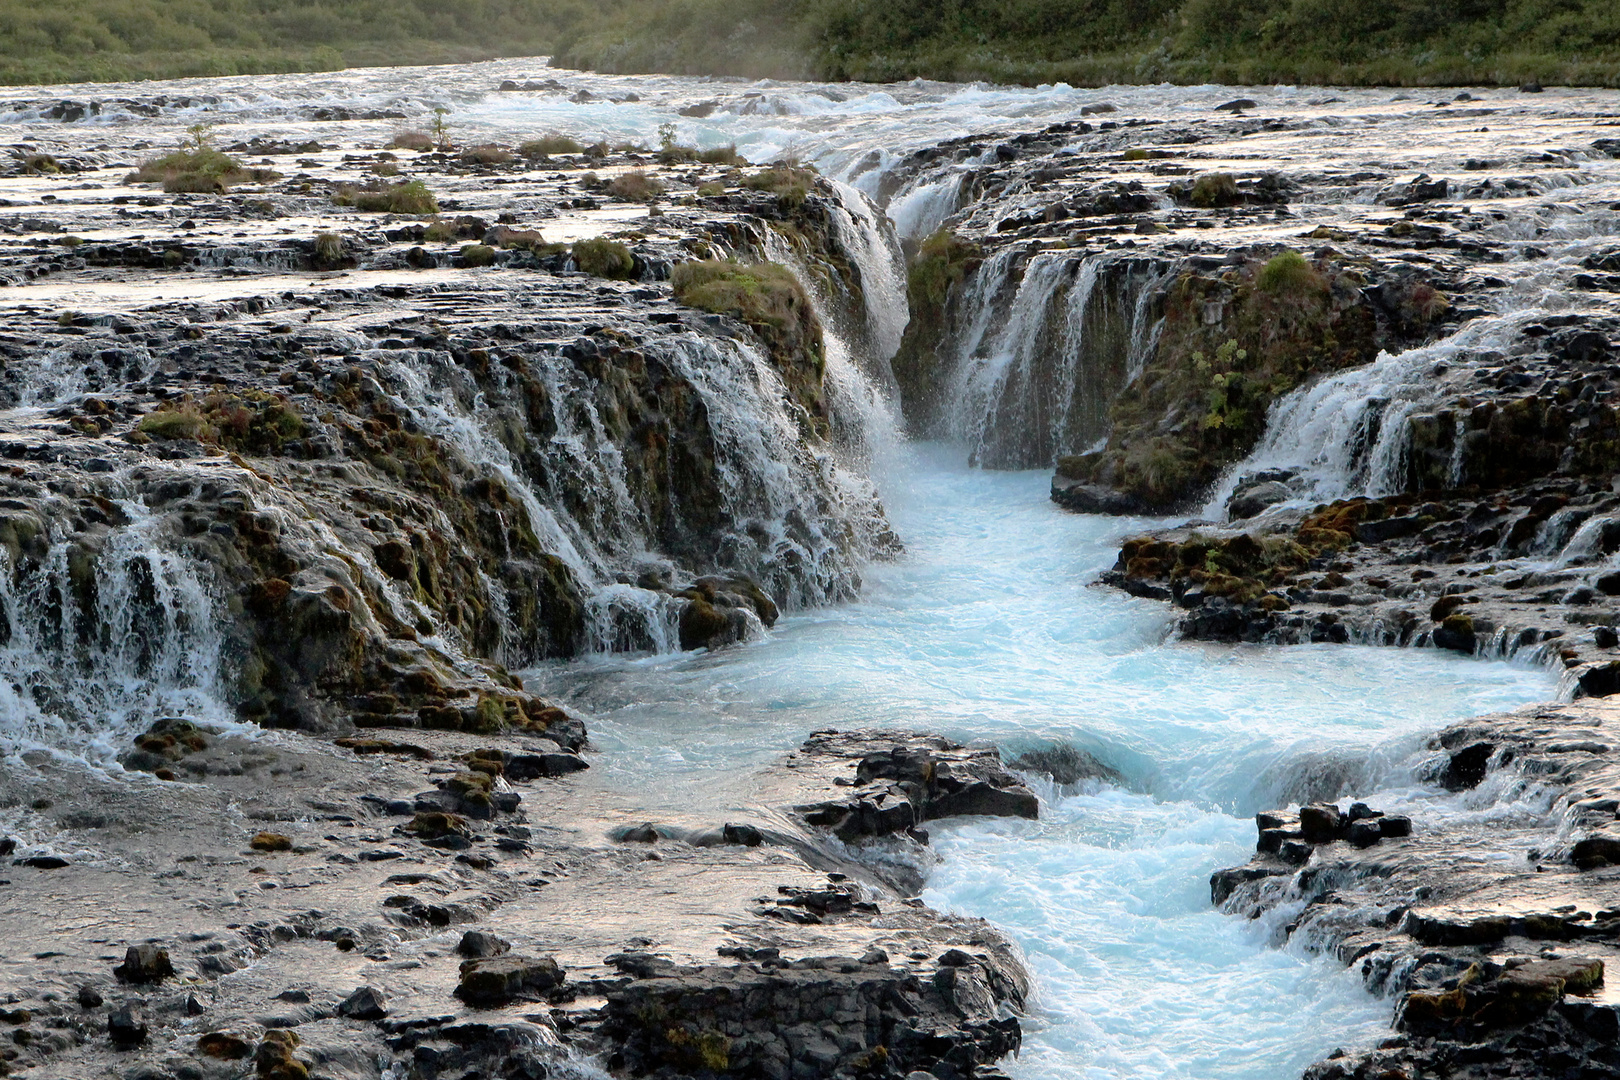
column 940, row 265
column 412, row 197
column 771, row 300
column 790, row 184
column 1214, row 189
column 1289, row 273
column 172, row 424
column 477, row 255
column 253, row 422
column 604, row 258
column 1202, row 399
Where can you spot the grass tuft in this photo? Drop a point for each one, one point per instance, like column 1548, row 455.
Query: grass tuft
column 604, row 258
column 411, row 197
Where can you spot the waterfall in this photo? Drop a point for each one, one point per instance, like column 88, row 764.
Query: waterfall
column 96, row 644
column 1350, row 434
column 1037, row 358
column 872, row 246
column 923, row 207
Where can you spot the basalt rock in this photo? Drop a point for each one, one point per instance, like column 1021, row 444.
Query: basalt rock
column 144, row 964
column 496, row 980
column 901, row 781
column 1402, row 570
column 1474, row 934
column 819, row 1017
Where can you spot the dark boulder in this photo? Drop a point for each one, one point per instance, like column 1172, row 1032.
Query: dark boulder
column 497, row 980
column 366, row 1003
column 144, row 964
column 126, row 1027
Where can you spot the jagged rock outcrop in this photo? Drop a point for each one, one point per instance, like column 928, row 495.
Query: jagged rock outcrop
column 1495, row 938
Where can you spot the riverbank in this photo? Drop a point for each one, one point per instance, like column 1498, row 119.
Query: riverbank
column 1187, row 42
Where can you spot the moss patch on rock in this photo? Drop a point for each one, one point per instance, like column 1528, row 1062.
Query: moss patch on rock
column 774, row 304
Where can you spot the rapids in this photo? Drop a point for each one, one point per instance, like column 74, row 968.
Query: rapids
column 988, row 626
column 988, row 629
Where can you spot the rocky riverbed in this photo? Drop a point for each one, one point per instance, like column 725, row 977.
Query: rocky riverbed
column 463, row 905
column 1495, row 934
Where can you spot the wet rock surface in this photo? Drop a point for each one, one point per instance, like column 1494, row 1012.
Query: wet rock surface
column 1493, row 935
column 1469, row 571
column 361, row 946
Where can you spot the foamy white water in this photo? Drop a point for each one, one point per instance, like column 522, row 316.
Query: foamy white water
column 989, row 628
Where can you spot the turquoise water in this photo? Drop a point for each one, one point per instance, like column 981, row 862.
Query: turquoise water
column 989, row 627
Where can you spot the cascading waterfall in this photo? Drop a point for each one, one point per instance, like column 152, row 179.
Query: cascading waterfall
column 1349, row 434
column 1072, row 335
column 922, row 208
column 94, row 645
column 872, row 245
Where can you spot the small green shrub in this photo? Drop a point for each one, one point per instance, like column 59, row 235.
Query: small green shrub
column 547, row 145
column 488, row 154
column 477, row 255
column 40, row 164
column 1288, row 274
column 604, row 258
column 412, row 140
column 1214, row 189
column 635, row 186
column 710, row 190
column 411, row 197
column 385, row 168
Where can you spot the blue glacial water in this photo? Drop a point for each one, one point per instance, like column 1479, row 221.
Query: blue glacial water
column 989, row 627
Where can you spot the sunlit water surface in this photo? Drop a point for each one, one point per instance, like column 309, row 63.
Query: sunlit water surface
column 989, row 627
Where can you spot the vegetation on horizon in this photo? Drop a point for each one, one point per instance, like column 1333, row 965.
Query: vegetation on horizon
column 1084, row 42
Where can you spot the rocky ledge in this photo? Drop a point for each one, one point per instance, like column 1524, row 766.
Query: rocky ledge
column 463, row 905
column 1491, row 919
column 1496, row 538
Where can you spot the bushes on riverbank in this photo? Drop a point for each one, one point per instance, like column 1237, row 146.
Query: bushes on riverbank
column 1083, row 42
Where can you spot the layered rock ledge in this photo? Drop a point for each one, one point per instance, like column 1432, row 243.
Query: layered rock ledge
column 1491, row 919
